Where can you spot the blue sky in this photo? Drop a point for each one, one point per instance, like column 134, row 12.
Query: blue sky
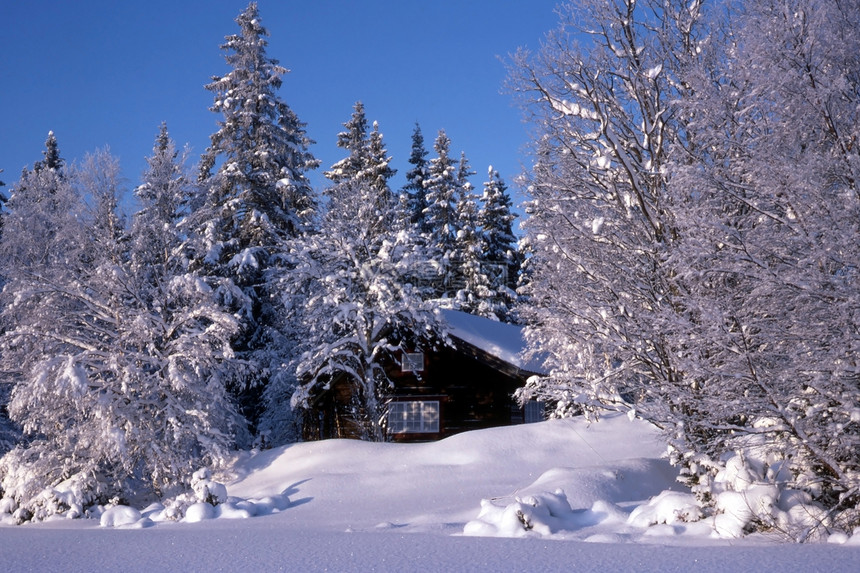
column 107, row 73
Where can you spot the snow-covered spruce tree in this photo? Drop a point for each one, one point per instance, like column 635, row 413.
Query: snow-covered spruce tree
column 602, row 92
column 414, row 193
column 378, row 173
column 768, row 204
column 37, row 213
column 367, row 162
column 258, row 195
column 496, row 219
column 473, row 295
column 442, row 190
column 52, row 160
column 501, row 257
column 164, row 197
column 354, row 140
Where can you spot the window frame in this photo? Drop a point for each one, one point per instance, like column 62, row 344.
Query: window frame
column 414, row 417
column 412, row 361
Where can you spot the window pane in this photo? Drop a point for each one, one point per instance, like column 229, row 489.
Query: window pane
column 430, row 416
column 413, row 417
column 396, row 417
column 534, row 412
column 412, row 362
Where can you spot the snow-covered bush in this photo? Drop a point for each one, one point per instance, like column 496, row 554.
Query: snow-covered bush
column 669, row 507
column 198, row 503
column 534, row 515
column 120, row 516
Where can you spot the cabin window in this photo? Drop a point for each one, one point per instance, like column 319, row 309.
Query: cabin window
column 412, row 362
column 533, row 411
column 415, row 417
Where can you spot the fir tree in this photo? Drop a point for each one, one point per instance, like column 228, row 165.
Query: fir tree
column 163, row 196
column 52, row 160
column 258, row 196
column 501, row 255
column 467, row 252
column 260, row 189
column 361, row 187
column 414, row 191
column 354, row 140
column 442, row 189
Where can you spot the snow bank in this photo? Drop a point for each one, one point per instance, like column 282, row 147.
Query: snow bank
column 598, row 503
column 345, row 505
column 122, row 516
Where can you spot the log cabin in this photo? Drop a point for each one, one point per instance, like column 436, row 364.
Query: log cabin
column 440, row 391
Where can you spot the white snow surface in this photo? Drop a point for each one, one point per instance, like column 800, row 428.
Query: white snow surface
column 598, row 497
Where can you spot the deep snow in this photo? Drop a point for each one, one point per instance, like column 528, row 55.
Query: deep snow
column 343, row 505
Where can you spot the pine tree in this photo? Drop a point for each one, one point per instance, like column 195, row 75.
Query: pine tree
column 354, row 140
column 442, row 189
column 258, row 196
column 41, row 219
column 164, row 197
column 361, row 189
column 259, row 192
column 501, row 256
column 414, row 191
column 41, row 237
column 379, row 171
column 52, row 160
column 466, row 254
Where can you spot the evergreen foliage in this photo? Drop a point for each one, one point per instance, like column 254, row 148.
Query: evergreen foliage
column 258, row 196
column 52, row 161
column 501, row 256
column 414, row 191
column 468, row 252
column 345, row 296
column 442, row 189
column 354, row 140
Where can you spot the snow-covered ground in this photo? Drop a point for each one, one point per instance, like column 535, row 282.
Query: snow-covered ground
column 558, row 495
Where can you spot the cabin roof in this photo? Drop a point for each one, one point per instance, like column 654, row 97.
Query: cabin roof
column 501, row 340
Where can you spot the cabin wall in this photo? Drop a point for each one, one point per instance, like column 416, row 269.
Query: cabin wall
column 475, row 395
column 474, row 391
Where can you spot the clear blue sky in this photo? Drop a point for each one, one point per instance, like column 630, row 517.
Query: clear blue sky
column 107, row 73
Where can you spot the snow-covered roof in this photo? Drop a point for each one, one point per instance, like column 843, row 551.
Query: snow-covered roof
column 499, row 339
